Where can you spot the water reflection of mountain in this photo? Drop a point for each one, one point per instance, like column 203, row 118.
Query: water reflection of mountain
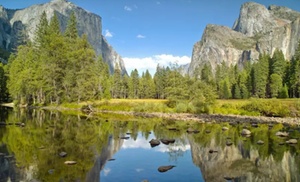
column 8, row 170
column 245, row 165
column 107, row 152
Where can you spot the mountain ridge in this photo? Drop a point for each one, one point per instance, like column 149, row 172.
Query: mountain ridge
column 15, row 22
column 257, row 30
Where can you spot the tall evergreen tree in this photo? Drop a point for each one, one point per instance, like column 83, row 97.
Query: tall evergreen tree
column 260, row 76
column 42, row 31
column 71, row 30
column 134, row 84
column 160, row 82
column 275, row 85
column 3, row 80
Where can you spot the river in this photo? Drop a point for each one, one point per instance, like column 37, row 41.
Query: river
column 34, row 146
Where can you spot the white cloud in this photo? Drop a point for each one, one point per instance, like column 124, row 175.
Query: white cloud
column 108, row 34
column 139, row 36
column 150, row 63
column 142, row 143
column 127, row 8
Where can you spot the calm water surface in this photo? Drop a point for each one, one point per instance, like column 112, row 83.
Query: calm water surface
column 31, row 153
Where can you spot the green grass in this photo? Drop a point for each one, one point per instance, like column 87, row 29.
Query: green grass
column 249, row 107
column 259, row 107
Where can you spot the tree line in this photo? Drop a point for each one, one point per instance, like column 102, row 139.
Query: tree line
column 59, row 67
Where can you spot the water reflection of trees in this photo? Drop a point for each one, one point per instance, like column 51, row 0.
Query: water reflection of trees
column 245, row 158
column 46, row 134
column 90, row 142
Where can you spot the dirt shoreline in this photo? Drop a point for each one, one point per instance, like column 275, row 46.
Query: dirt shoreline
column 204, row 118
column 212, row 117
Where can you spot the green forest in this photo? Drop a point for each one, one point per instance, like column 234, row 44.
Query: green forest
column 61, row 67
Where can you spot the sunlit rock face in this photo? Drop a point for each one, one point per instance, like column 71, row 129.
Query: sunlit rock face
column 20, row 24
column 242, row 164
column 257, row 30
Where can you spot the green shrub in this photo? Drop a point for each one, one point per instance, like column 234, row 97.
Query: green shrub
column 272, row 107
column 171, row 103
column 181, row 107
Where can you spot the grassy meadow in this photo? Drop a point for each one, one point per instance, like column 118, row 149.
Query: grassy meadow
column 250, row 107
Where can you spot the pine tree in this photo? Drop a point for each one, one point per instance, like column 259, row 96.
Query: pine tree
column 160, row 82
column 277, row 63
column 260, row 76
column 71, row 30
column 134, row 84
column 54, row 27
column 42, row 31
column 294, row 74
column 206, row 74
column 284, row 92
column 236, row 92
column 275, row 84
column 3, row 80
column 117, row 82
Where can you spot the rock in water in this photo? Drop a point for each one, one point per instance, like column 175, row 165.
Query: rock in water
column 63, row 154
column 154, row 142
column 167, row 141
column 124, row 137
column 163, row 169
column 292, row 141
column 246, row 132
column 70, row 162
column 260, row 142
column 225, row 128
column 282, row 134
column 229, row 143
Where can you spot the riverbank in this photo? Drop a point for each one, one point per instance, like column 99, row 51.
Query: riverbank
column 205, row 118
column 251, row 110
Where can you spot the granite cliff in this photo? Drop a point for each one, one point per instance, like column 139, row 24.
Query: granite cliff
column 258, row 29
column 16, row 25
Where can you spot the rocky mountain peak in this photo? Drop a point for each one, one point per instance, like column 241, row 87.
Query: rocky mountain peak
column 254, row 18
column 16, row 22
column 257, row 30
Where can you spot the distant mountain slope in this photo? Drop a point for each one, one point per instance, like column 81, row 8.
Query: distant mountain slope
column 257, row 30
column 16, row 25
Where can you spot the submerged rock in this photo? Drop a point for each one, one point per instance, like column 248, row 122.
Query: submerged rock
column 246, row 132
column 229, row 143
column 225, row 128
column 190, row 130
column 163, row 169
column 70, row 162
column 260, row 142
column 154, row 142
column 212, row 151
column 282, row 134
column 63, row 154
column 292, row 141
column 124, row 137
column 51, row 171
column 167, row 141
column 228, row 178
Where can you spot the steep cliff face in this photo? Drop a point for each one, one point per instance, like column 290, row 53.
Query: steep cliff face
column 257, row 30
column 16, row 25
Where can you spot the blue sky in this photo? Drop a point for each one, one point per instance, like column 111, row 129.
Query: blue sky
column 147, row 32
